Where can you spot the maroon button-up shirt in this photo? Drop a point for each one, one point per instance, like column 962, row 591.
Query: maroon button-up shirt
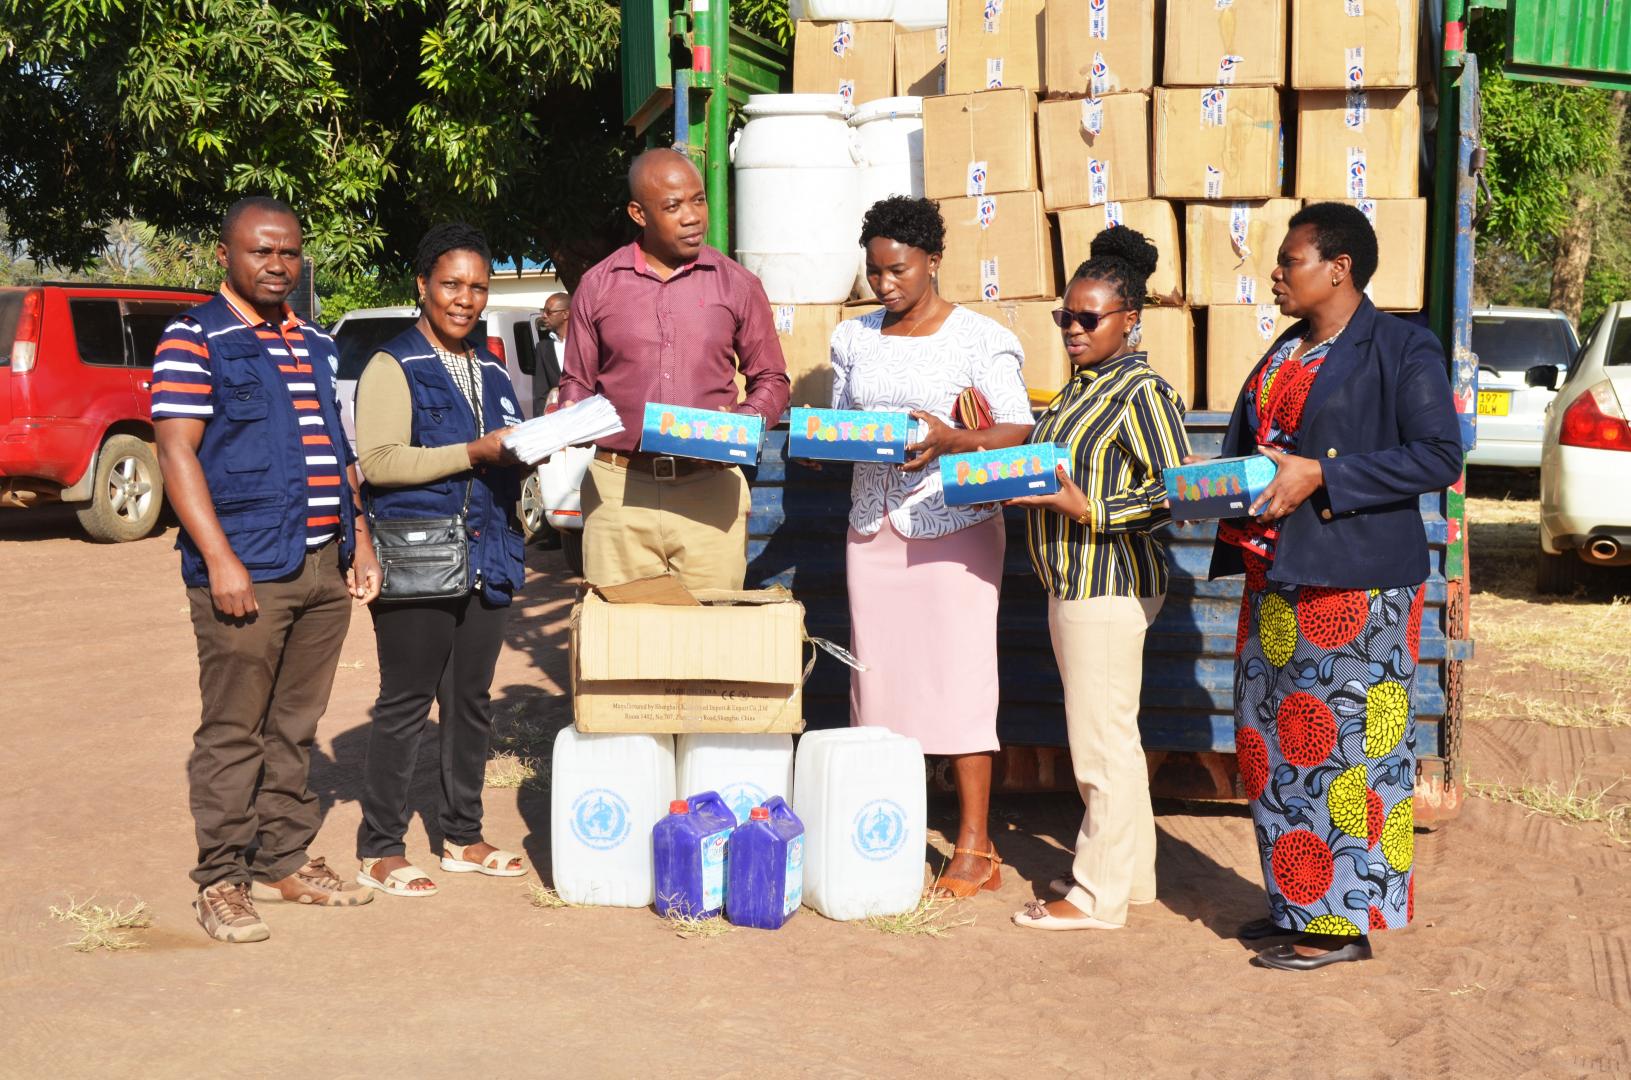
column 637, row 338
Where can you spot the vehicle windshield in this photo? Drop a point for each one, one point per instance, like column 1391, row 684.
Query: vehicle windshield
column 11, row 306
column 1516, row 343
column 359, row 339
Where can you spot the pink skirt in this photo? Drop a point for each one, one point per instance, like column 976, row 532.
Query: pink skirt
column 923, row 619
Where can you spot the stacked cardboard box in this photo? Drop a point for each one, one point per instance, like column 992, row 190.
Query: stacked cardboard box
column 920, row 62
column 855, row 60
column 1154, row 218
column 1099, row 47
column 1342, row 46
column 1094, row 150
column 992, row 44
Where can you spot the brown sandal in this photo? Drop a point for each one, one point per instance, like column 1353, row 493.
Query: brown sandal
column 958, row 889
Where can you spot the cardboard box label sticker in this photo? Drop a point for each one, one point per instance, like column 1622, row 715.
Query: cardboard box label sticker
column 987, row 211
column 1223, row 5
column 993, row 73
column 1214, row 107
column 1356, row 66
column 1092, row 115
column 1356, row 8
column 1098, row 181
column 1356, row 110
column 989, row 288
column 941, row 39
column 1245, row 289
column 1099, row 75
column 1098, row 19
column 1113, row 215
column 1240, row 223
column 976, row 178
column 1356, row 172
column 1214, row 182
column 846, row 90
column 1368, row 208
column 1226, row 68
column 843, row 38
column 993, row 475
column 993, row 16
column 1267, row 316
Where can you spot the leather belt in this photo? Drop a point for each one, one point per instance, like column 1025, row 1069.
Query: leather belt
column 657, row 466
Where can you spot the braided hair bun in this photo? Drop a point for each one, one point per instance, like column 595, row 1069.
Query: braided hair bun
column 1124, row 258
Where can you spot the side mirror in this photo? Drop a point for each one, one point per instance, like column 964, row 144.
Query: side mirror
column 1542, row 375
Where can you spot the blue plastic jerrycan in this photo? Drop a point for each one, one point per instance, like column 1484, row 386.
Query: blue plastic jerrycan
column 767, row 867
column 689, row 851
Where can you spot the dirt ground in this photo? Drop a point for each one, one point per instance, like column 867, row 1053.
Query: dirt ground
column 1519, row 964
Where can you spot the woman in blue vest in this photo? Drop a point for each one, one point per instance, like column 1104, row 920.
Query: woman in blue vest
column 432, row 408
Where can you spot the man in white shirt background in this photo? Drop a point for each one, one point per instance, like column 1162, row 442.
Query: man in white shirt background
column 551, row 348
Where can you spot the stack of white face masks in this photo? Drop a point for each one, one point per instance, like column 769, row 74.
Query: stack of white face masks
column 591, row 419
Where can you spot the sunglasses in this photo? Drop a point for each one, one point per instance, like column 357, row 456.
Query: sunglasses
column 1087, row 320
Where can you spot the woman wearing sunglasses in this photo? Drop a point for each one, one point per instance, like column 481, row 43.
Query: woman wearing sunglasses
column 1092, row 544
column 923, row 576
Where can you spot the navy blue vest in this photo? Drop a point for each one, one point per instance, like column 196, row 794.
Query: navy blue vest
column 441, row 417
column 251, row 453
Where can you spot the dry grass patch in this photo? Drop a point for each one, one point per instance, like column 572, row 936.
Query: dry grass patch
column 934, row 916
column 103, row 927
column 688, row 927
column 1587, row 709
column 506, row 769
column 542, row 896
column 1575, row 806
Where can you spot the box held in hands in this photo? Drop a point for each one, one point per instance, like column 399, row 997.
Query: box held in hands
column 994, row 475
column 732, row 438
column 1220, row 488
column 725, row 662
column 849, row 435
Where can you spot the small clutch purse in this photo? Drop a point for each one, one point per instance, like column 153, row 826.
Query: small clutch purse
column 973, row 411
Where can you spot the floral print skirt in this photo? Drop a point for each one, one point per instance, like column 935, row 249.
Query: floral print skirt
column 1324, row 724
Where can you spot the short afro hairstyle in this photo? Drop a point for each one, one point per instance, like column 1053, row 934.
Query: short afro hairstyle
column 448, row 236
column 1124, row 258
column 254, row 203
column 905, row 220
column 1340, row 229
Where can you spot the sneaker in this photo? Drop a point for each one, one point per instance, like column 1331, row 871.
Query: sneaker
column 226, row 913
column 314, row 884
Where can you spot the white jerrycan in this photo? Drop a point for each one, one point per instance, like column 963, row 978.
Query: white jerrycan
column 745, row 769
column 861, row 795
column 607, row 791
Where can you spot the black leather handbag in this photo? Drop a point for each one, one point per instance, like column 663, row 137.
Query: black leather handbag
column 422, row 558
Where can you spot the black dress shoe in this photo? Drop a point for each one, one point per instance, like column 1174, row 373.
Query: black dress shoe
column 1258, row 929
column 1285, row 957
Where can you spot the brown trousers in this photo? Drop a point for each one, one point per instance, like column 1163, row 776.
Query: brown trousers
column 635, row 526
column 265, row 683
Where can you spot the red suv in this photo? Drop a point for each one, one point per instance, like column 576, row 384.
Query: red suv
column 76, row 376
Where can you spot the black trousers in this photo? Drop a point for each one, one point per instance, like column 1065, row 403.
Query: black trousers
column 442, row 650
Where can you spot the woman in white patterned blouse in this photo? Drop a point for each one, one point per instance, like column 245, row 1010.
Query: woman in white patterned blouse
column 923, row 576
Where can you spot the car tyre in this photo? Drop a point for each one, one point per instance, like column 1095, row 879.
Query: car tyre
column 1559, row 575
column 127, row 495
column 530, row 512
column 572, row 548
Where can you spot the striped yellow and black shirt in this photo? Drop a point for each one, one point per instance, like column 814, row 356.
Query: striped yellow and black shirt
column 1123, row 425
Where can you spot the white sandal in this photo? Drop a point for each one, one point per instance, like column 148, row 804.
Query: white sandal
column 1036, row 917
column 397, row 882
column 497, row 864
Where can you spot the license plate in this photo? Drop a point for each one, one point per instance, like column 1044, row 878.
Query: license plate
column 1494, row 402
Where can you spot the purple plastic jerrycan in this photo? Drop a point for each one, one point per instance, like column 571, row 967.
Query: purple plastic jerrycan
column 689, row 851
column 766, row 867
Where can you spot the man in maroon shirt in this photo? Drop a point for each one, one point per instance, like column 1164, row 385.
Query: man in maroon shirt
column 668, row 319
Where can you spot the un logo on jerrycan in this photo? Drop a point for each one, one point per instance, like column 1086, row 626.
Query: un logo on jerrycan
column 600, row 819
column 879, row 829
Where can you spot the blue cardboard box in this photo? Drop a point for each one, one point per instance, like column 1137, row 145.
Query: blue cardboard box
column 733, row 438
column 994, row 475
column 849, row 435
column 1220, row 488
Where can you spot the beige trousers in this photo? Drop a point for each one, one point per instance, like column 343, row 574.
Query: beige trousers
column 1099, row 644
column 635, row 526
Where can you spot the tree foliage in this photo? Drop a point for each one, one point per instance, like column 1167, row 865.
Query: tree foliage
column 373, row 118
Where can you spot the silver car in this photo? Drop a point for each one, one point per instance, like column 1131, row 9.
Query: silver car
column 1508, row 341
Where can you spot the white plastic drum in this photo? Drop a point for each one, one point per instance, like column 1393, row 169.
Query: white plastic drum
column 858, row 10
column 798, row 197
column 889, row 135
column 920, row 14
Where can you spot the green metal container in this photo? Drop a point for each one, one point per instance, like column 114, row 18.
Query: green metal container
column 1583, row 42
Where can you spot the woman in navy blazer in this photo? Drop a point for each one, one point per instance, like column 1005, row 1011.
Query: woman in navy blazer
column 1355, row 408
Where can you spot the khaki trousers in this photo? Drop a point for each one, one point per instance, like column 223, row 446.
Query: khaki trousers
column 636, row 526
column 1099, row 644
column 265, row 683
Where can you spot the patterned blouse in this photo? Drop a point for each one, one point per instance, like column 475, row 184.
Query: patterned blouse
column 465, row 371
column 1275, row 395
column 874, row 371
